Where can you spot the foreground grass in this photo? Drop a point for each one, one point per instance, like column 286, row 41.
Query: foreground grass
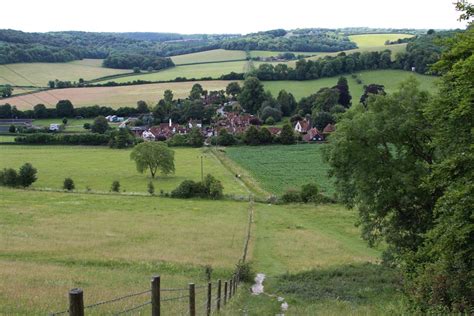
column 280, row 167
column 97, row 167
column 389, row 78
column 215, row 55
column 38, row 74
column 109, row 246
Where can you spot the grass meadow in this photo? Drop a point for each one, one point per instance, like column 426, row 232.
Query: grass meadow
column 110, row 245
column 215, row 55
column 371, row 40
column 114, row 97
column 38, row 74
column 95, row 168
column 389, row 78
column 279, row 167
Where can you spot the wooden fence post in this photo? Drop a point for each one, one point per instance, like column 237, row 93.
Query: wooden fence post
column 219, row 284
column 76, row 302
column 235, row 283
column 230, row 289
column 155, row 296
column 209, row 299
column 225, row 292
column 192, row 300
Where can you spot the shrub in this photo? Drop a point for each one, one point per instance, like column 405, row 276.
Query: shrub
column 60, row 139
column 9, row 177
column 27, row 175
column 291, row 196
column 115, row 186
column 12, row 129
column 100, row 125
column 270, row 121
column 178, row 140
column 309, row 193
column 244, row 271
column 214, row 188
column 68, row 184
column 151, row 188
column 87, row 126
column 188, row 189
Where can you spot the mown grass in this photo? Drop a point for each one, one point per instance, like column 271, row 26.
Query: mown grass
column 97, row 167
column 109, row 246
column 212, row 70
column 215, row 55
column 73, row 125
column 389, row 78
column 38, row 74
column 279, row 167
column 371, row 40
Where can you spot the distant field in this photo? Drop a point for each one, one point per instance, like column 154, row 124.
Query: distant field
column 73, row 125
column 98, row 167
column 371, row 40
column 113, row 96
column 278, row 168
column 267, row 53
column 214, row 55
column 38, row 74
column 389, row 78
column 213, row 70
column 109, row 246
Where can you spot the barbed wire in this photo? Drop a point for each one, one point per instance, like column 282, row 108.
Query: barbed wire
column 116, row 299
column 133, row 308
column 174, row 298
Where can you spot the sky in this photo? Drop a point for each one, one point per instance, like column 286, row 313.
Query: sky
column 217, row 17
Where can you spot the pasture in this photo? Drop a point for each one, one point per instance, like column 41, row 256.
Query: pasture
column 389, row 78
column 215, row 55
column 110, row 246
column 278, row 167
column 114, row 97
column 38, row 74
column 197, row 71
column 95, row 168
column 371, row 40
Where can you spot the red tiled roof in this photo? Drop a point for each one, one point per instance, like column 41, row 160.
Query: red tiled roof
column 329, row 129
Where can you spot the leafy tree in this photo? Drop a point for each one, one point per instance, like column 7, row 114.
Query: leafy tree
column 142, row 107
column 12, row 129
column 87, row 126
column 264, row 136
column 153, row 156
column 344, row 94
column 287, row 102
column 136, row 70
column 251, row 136
column 225, row 138
column 64, row 108
column 168, row 97
column 270, row 121
column 371, row 89
column 64, row 120
column 40, row 111
column 68, row 184
column 196, row 92
column 321, row 119
column 27, row 175
column 213, row 187
column 6, row 91
column 115, row 186
column 9, row 177
column 233, row 89
column 122, row 138
column 287, row 135
column 309, row 193
column 252, row 95
column 100, row 125
column 325, row 99
column 270, row 112
column 195, row 137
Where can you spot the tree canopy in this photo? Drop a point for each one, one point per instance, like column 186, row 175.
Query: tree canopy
column 153, row 156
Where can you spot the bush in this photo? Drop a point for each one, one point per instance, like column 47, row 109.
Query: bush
column 61, row 139
column 87, row 126
column 270, row 121
column 178, row 140
column 214, row 188
column 151, row 188
column 291, row 196
column 115, row 186
column 100, row 125
column 9, row 177
column 309, row 193
column 12, row 129
column 68, row 184
column 245, row 272
column 188, row 189
column 27, row 175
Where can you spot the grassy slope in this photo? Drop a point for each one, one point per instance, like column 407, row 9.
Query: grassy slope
column 214, row 55
column 278, row 168
column 389, row 78
column 371, row 40
column 39, row 74
column 213, row 70
column 109, row 246
column 267, row 53
column 98, row 167
column 114, row 96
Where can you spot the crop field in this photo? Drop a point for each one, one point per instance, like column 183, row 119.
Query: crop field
column 212, row 70
column 389, row 78
column 110, row 245
column 215, row 55
column 95, row 168
column 279, row 167
column 371, row 40
column 38, row 74
column 114, row 97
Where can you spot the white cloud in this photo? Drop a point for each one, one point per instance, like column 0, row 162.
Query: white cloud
column 213, row 16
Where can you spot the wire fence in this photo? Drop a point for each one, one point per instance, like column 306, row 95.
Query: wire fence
column 203, row 299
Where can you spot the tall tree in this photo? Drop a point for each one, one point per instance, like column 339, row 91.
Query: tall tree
column 233, row 89
column 196, row 92
column 252, row 95
column 287, row 102
column 344, row 94
column 153, row 156
column 64, row 108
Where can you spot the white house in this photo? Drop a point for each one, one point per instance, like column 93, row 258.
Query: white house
column 54, row 127
column 147, row 135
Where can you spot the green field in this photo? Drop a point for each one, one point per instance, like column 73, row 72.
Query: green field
column 109, row 246
column 371, row 40
column 212, row 70
column 267, row 53
column 73, row 125
column 279, row 167
column 97, row 167
column 38, row 74
column 389, row 78
column 214, row 55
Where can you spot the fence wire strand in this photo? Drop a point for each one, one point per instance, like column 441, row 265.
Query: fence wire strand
column 116, row 299
column 133, row 308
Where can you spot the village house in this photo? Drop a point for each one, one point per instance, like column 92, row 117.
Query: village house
column 313, row 135
column 303, row 126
